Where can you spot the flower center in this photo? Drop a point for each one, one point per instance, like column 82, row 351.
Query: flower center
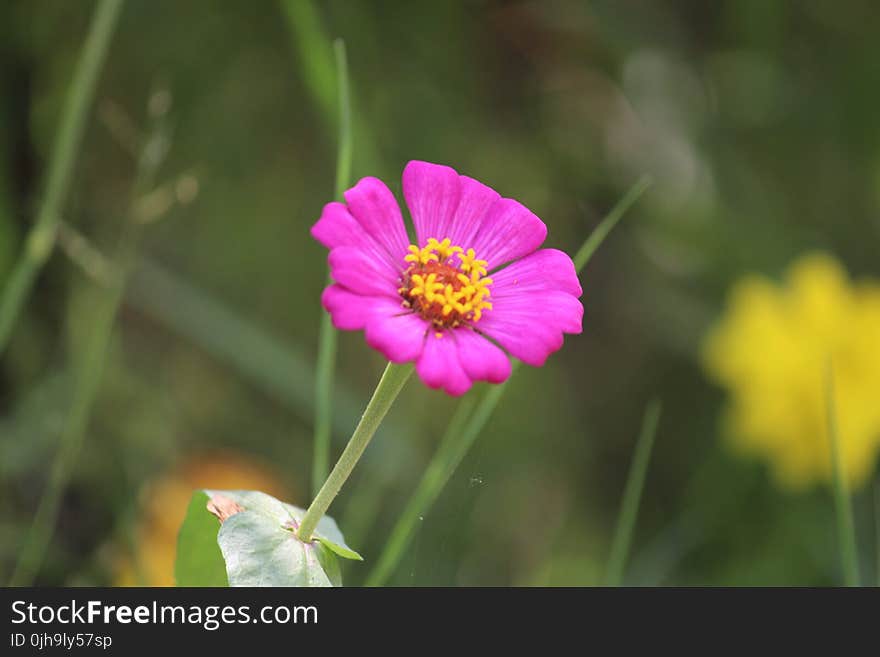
column 445, row 284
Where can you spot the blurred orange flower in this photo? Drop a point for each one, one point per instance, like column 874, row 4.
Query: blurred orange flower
column 163, row 506
column 771, row 349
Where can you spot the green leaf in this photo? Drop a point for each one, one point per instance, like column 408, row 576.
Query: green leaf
column 260, row 547
column 328, row 533
column 329, row 563
column 261, row 552
column 199, row 560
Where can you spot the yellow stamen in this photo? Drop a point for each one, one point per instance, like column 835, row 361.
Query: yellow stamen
column 447, row 292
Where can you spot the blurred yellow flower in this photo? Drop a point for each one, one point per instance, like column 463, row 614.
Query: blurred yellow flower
column 163, row 506
column 771, row 351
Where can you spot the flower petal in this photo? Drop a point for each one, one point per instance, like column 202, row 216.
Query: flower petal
column 473, row 207
column 399, row 337
column 509, row 231
column 337, row 227
column 471, row 214
column 354, row 268
column 432, row 193
column 348, row 310
column 531, row 329
column 546, row 269
column 480, row 359
column 439, row 367
column 562, row 310
column 376, row 210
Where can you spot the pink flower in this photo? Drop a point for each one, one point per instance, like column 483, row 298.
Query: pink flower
column 447, row 302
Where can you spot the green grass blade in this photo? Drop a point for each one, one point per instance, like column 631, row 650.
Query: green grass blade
column 255, row 354
column 263, row 360
column 39, row 535
column 313, row 52
column 41, row 239
column 455, row 443
column 327, row 337
column 635, row 483
column 846, row 532
column 325, row 369
column 90, row 372
column 344, row 153
column 315, row 58
column 594, row 241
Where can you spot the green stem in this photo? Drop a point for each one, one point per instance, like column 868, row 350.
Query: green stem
column 629, row 508
column 390, row 385
column 89, row 376
column 41, row 239
column 456, row 441
column 327, row 337
column 846, row 532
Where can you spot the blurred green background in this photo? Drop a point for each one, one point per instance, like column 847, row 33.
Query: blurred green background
column 756, row 118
